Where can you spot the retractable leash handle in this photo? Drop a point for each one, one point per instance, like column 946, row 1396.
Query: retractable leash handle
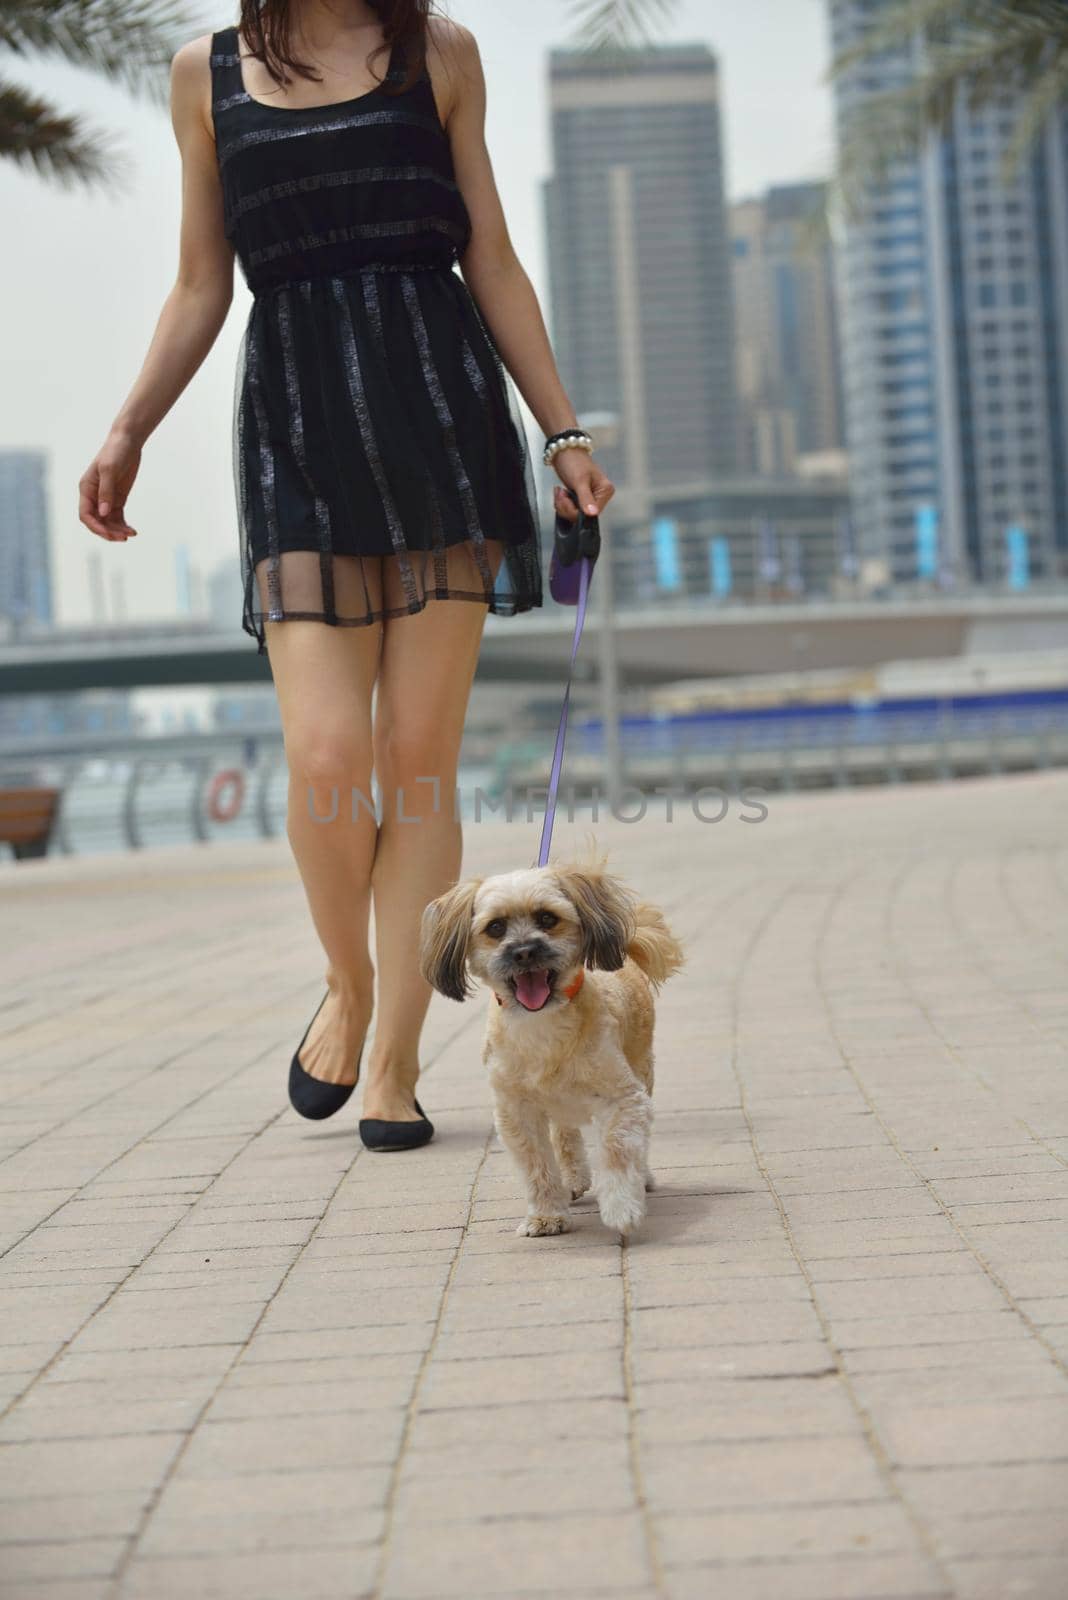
column 572, row 541
column 576, row 546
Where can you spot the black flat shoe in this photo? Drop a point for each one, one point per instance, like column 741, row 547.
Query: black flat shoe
column 380, row 1135
column 310, row 1096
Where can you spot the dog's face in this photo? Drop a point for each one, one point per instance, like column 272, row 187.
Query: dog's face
column 524, row 934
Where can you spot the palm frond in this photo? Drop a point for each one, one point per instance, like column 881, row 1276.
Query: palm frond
column 974, row 50
column 35, row 135
column 1025, row 21
column 1049, row 90
column 615, row 24
column 897, row 25
column 130, row 41
column 878, row 134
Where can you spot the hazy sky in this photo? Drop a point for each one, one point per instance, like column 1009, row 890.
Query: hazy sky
column 83, row 276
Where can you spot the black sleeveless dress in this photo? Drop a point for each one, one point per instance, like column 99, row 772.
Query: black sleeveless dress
column 379, row 455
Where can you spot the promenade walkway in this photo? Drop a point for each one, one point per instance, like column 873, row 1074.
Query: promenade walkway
column 243, row 1359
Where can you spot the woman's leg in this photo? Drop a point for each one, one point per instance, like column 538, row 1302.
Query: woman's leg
column 324, row 677
column 425, row 675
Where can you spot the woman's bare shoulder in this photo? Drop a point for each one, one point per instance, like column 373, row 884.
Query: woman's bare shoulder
column 192, row 61
column 452, row 58
column 450, row 38
column 191, row 79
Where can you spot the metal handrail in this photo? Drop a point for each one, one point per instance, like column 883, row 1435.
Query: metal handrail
column 814, row 748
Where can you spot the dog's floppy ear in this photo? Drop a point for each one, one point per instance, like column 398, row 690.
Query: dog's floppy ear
column 606, row 914
column 445, row 936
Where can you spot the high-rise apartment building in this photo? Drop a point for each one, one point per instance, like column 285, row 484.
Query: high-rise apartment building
column 954, row 300
column 25, row 568
column 639, row 262
column 786, row 330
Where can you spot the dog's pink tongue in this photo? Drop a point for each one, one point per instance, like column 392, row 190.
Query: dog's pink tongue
column 532, row 989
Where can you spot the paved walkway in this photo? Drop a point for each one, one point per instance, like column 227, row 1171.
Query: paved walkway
column 243, row 1359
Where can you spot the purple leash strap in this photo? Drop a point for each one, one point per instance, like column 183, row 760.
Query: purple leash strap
column 561, row 732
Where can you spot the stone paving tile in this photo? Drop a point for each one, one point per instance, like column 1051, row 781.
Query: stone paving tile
column 1032, row 1576
column 946, row 1356
column 297, row 1396
column 26, row 1565
column 485, row 1558
column 314, row 1574
column 1018, row 1533
column 976, row 1381
column 712, row 1477
column 532, row 1379
column 248, row 1361
column 218, row 1531
column 68, row 1589
column 248, row 1445
column 53, row 1518
column 1009, row 1430
column 685, row 1411
column 743, row 1361
column 777, row 1533
column 896, row 1577
column 65, row 1466
column 993, row 1487
column 546, row 1492
column 108, row 1415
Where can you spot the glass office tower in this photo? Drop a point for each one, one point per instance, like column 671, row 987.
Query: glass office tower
column 639, row 260
column 953, row 288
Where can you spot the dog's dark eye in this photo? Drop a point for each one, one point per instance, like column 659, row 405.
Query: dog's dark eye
column 495, row 928
column 546, row 919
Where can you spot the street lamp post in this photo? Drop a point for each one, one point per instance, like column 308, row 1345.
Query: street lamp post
column 604, row 426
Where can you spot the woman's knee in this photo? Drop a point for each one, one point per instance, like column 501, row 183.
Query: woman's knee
column 325, row 760
column 412, row 750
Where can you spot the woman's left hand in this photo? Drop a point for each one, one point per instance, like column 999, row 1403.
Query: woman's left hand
column 577, row 469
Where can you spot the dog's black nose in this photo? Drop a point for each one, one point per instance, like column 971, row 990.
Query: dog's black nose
column 527, row 954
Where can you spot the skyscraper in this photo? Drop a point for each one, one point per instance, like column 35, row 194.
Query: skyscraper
column 786, row 330
column 639, row 262
column 954, row 293
column 25, row 568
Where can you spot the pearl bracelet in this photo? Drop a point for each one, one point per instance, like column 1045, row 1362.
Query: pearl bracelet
column 573, row 439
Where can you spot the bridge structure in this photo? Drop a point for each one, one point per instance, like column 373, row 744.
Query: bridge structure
column 654, row 643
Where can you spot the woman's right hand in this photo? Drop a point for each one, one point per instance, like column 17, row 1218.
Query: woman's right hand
column 104, row 486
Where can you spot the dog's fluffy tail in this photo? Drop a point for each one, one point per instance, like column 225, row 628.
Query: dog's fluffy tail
column 654, row 947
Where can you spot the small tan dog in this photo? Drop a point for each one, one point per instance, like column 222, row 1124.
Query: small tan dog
column 569, row 1050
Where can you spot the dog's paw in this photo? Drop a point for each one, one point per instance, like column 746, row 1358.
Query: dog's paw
column 578, row 1180
column 622, row 1207
column 575, row 1171
column 538, row 1227
column 621, row 1217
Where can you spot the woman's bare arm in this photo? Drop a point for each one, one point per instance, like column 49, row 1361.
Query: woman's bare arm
column 193, row 312
column 493, row 272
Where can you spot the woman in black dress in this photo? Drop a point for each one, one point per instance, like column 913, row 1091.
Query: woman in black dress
column 379, row 460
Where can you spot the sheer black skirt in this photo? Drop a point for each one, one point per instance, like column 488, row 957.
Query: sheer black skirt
column 380, row 459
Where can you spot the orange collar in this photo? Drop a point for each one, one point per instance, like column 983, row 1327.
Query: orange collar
column 570, row 989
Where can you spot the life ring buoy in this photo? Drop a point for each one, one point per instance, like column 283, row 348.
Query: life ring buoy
column 226, row 795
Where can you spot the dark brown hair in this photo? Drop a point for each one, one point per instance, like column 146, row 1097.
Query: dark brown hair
column 266, row 26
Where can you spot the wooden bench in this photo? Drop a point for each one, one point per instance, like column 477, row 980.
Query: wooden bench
column 27, row 817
